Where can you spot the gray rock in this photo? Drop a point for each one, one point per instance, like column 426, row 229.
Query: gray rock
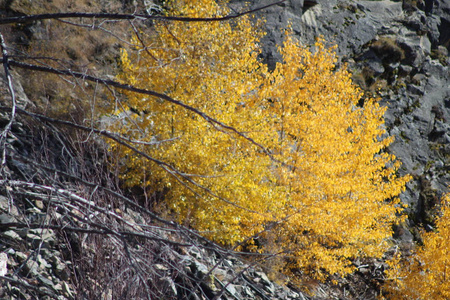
column 3, row 264
column 45, row 236
column 43, row 264
column 373, row 63
column 199, row 269
column 247, row 292
column 7, row 218
column 45, row 281
column 415, row 90
column 21, row 98
column 404, row 70
column 31, row 267
column 67, row 290
column 13, row 235
column 415, row 47
column 418, row 116
column 8, row 207
column 60, row 268
column 171, row 285
column 33, row 239
column 231, row 288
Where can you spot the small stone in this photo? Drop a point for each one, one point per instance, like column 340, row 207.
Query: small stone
column 6, row 218
column 12, row 235
column 171, row 284
column 21, row 256
column 3, row 264
column 268, row 285
column 66, row 290
column 220, row 274
column 39, row 204
column 161, row 267
column 6, row 206
column 247, row 292
column 22, row 232
column 43, row 264
column 46, row 236
column 33, row 239
column 263, row 276
column 199, row 269
column 45, row 281
column 231, row 288
column 31, row 267
column 364, row 270
column 62, row 272
column 195, row 252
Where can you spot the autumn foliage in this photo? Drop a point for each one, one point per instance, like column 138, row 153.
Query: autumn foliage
column 328, row 193
column 424, row 274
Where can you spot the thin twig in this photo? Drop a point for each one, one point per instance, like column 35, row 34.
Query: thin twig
column 5, row 132
column 102, row 231
column 138, row 36
column 108, row 82
column 179, row 176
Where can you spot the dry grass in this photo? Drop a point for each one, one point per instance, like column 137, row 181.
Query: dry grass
column 388, row 49
column 89, row 46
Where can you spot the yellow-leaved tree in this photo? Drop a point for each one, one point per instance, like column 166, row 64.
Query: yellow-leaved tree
column 342, row 188
column 424, row 274
column 329, row 192
column 212, row 67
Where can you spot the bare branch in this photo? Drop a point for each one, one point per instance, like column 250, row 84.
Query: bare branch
column 4, row 133
column 120, row 140
column 31, row 18
column 102, row 231
column 218, row 124
column 177, row 227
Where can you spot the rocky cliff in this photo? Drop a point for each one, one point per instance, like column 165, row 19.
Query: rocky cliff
column 68, row 232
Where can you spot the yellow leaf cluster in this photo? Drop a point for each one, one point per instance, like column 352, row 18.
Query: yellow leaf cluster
column 339, row 180
column 211, row 67
column 333, row 197
column 425, row 274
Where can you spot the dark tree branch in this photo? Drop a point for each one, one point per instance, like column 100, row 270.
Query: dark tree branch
column 31, row 18
column 108, row 82
column 102, row 231
column 124, row 142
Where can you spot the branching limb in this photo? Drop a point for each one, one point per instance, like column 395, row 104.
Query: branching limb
column 108, row 82
column 178, row 175
column 31, row 18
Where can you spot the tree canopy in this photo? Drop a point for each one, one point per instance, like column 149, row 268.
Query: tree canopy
column 308, row 162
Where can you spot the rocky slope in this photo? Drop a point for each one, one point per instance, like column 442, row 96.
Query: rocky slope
column 68, row 232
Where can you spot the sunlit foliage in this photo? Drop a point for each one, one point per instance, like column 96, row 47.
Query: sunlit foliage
column 331, row 193
column 426, row 273
column 340, row 179
column 212, row 67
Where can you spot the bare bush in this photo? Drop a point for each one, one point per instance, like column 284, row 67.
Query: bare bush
column 54, row 176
